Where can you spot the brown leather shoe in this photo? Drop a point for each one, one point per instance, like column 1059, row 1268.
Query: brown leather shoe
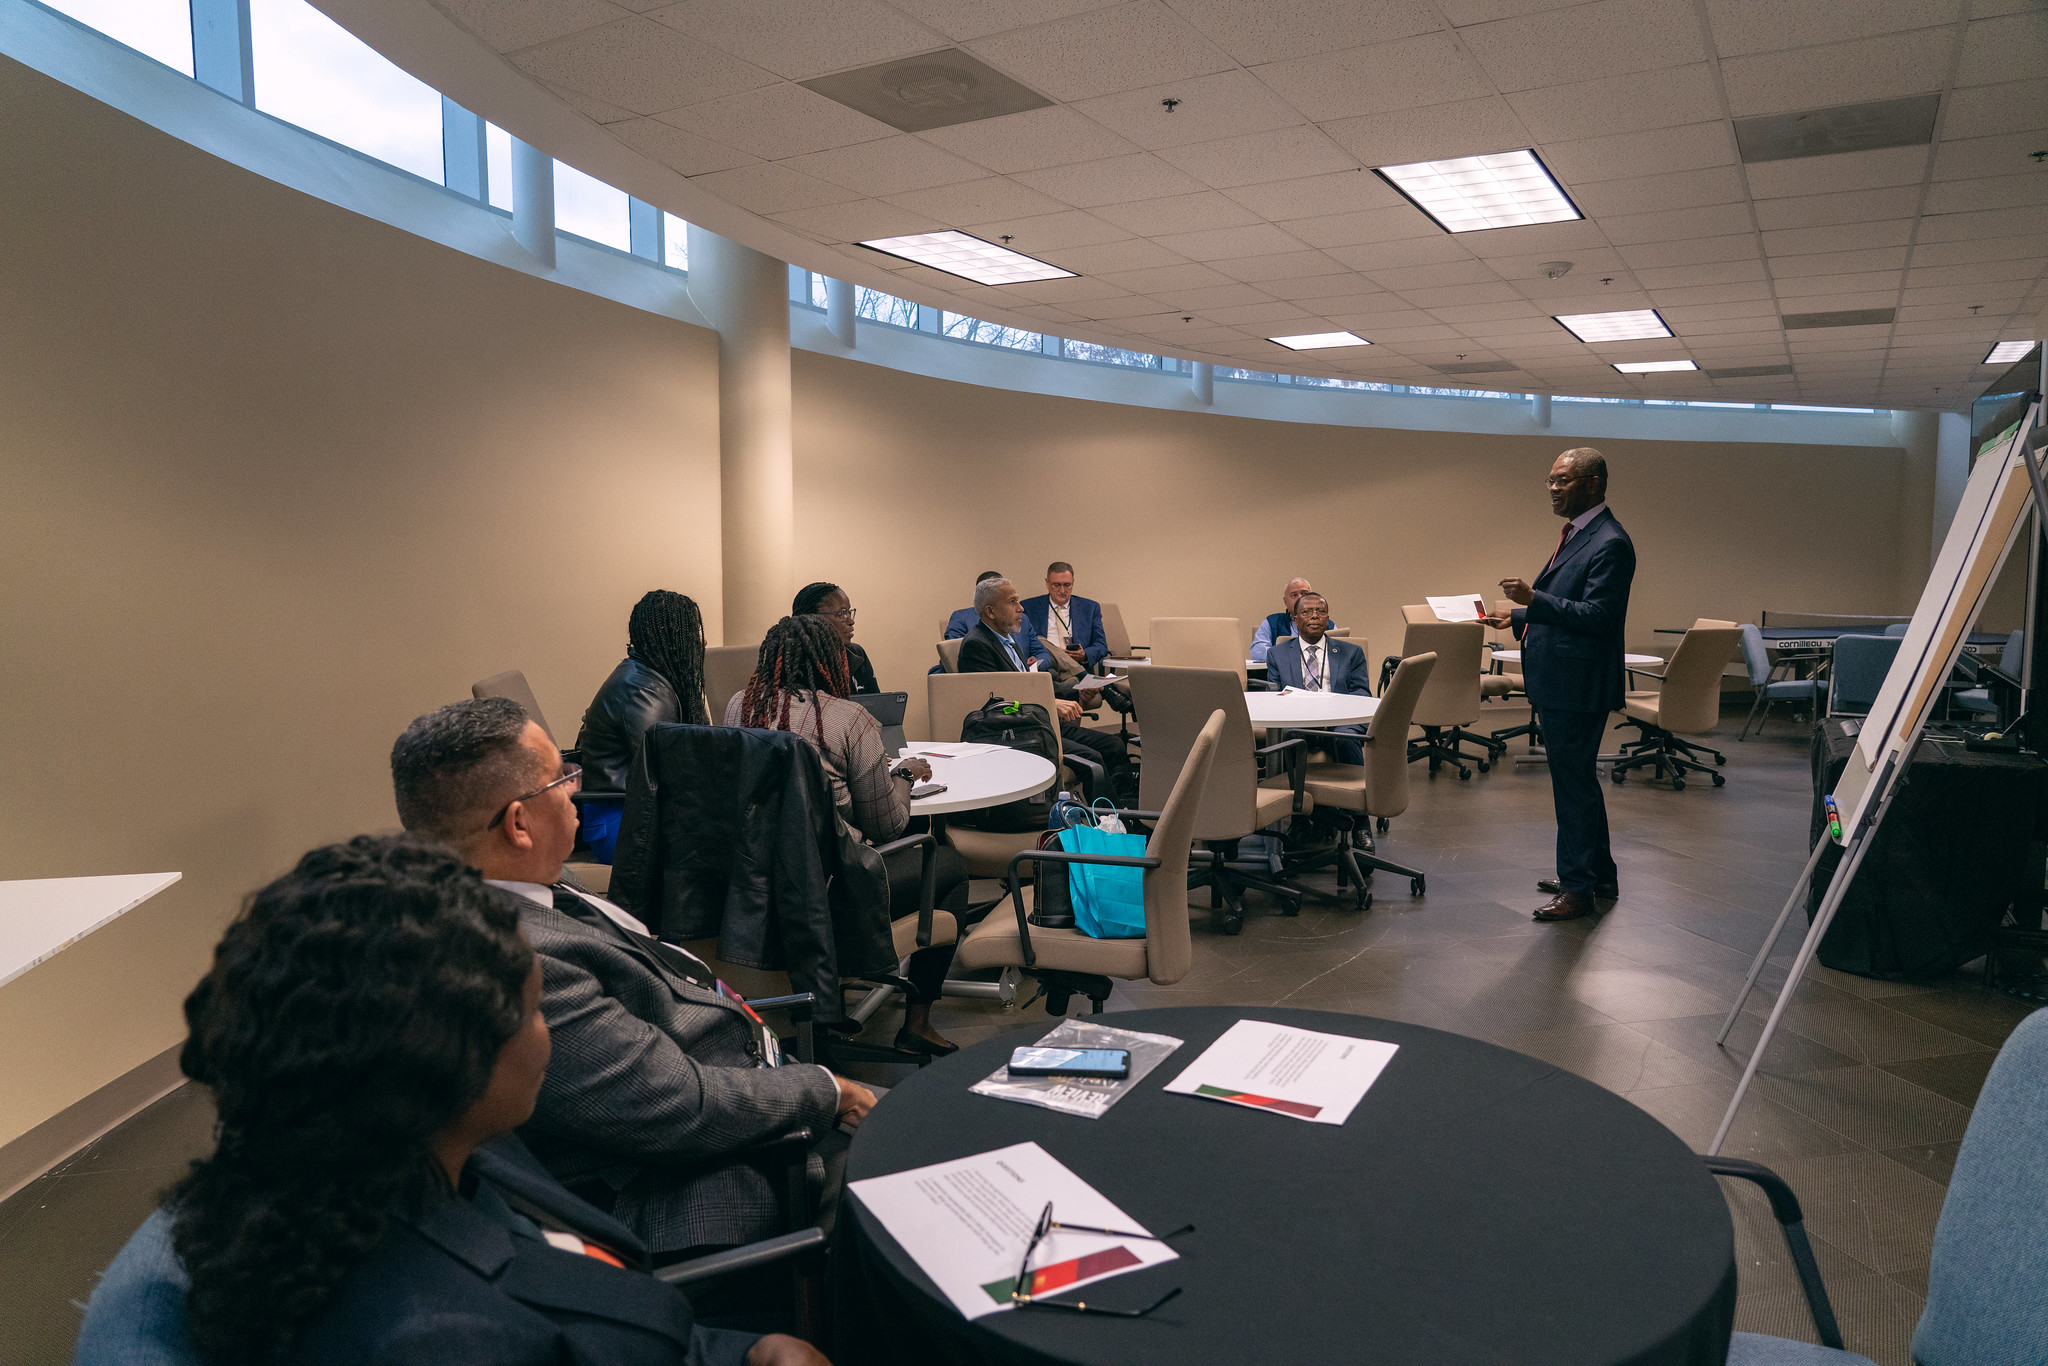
column 1565, row 906
column 1604, row 891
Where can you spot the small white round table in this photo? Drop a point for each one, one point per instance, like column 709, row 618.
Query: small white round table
column 1632, row 661
column 1272, row 710
column 974, row 781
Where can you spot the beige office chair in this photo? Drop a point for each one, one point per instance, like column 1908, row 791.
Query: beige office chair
column 1199, row 643
column 948, row 698
column 1237, row 801
column 1451, row 698
column 726, row 671
column 1689, row 704
column 1115, row 634
column 1069, row 963
column 949, row 655
column 1353, row 797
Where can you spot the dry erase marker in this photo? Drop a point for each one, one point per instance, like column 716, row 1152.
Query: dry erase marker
column 1834, row 820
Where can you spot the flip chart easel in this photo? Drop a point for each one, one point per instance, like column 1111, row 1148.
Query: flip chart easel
column 2006, row 482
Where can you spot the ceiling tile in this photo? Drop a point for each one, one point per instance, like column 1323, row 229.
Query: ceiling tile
column 1711, row 273
column 1284, row 265
column 1166, row 279
column 1179, row 213
column 1113, row 180
column 1623, row 155
column 976, row 201
column 1435, row 133
column 1995, row 192
column 1856, row 282
column 2005, row 154
column 2033, row 246
column 766, row 188
column 1840, row 237
column 1821, row 210
column 1732, row 247
column 1278, row 154
column 1596, row 292
column 1839, row 73
column 1712, row 294
column 1103, row 51
column 1585, row 42
column 1658, row 193
column 1416, row 251
column 1406, row 278
column 1746, row 26
column 1586, row 263
column 1409, row 336
column 508, row 25
column 597, row 110
column 1976, row 272
column 1136, row 306
column 677, row 150
column 778, row 121
column 1628, row 229
column 1066, row 291
column 1442, row 296
column 1508, row 318
column 639, row 65
column 1228, row 104
column 1844, row 171
column 1114, row 256
column 963, row 19
column 2008, row 49
column 1427, row 69
column 1317, row 196
column 1964, row 227
column 1277, row 29
column 1036, row 234
column 1839, row 262
column 1223, row 243
column 1576, row 235
column 1028, row 141
column 1257, row 313
column 1046, row 313
column 888, row 166
column 1698, row 316
column 1374, row 225
column 1639, row 100
column 1987, row 110
column 858, row 221
column 1219, row 296
column 1310, row 290
column 799, row 39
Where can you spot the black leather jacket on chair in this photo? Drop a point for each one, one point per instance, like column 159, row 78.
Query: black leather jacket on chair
column 632, row 699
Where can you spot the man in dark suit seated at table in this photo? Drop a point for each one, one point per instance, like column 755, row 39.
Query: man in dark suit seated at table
column 991, row 648
column 1570, row 624
column 962, row 621
column 1312, row 660
column 659, row 1069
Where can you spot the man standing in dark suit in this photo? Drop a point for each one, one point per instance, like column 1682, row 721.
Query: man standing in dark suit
column 1312, row 660
column 1570, row 624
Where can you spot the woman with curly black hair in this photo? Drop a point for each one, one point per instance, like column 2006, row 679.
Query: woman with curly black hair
column 371, row 1033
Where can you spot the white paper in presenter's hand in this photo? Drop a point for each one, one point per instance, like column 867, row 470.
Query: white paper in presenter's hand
column 1295, row 1072
column 1469, row 607
column 965, row 1223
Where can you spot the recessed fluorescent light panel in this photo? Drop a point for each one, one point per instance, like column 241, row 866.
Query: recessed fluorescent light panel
column 2005, row 353
column 1630, row 325
column 1653, row 367
column 1467, row 194
column 1319, row 341
column 956, row 253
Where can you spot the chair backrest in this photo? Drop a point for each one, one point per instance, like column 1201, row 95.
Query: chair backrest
column 888, row 709
column 1897, row 628
column 1199, row 643
column 1756, row 658
column 949, row 697
column 1175, row 704
column 1451, row 696
column 1860, row 664
column 1341, row 632
column 2012, row 660
column 1984, row 1286
column 726, row 671
column 1386, row 737
column 1168, row 951
column 949, row 654
column 136, row 1316
column 1414, row 612
column 1690, row 700
column 1114, row 633
column 512, row 683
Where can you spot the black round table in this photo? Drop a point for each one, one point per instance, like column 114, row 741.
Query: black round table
column 1478, row 1206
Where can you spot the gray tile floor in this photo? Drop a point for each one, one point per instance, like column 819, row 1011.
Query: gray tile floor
column 1861, row 1102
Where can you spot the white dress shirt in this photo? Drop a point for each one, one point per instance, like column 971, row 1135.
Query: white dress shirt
column 1059, row 622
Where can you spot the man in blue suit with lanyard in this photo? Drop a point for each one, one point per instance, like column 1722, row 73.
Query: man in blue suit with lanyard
column 1570, row 624
column 1073, row 624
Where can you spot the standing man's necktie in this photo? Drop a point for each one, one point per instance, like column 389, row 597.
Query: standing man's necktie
column 1562, row 537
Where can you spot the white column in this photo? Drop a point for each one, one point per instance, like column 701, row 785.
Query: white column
column 839, row 311
column 533, row 201
column 1203, row 381
column 1539, row 408
column 745, row 295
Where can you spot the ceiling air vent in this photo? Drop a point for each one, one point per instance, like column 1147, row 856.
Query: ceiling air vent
column 1845, row 128
column 1476, row 367
column 1849, row 317
column 936, row 90
column 1748, row 371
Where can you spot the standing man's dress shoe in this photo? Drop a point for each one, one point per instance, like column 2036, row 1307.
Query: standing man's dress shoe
column 1565, row 906
column 1605, row 891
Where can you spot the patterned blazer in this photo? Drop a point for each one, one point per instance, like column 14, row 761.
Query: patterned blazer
column 652, row 1082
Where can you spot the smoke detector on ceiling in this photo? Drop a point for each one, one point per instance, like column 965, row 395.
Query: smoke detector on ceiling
column 1554, row 270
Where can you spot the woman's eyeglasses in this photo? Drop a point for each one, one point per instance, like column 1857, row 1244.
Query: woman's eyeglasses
column 570, row 773
column 1020, row 1293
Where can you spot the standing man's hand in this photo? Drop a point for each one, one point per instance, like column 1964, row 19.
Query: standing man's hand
column 1518, row 591
column 1499, row 621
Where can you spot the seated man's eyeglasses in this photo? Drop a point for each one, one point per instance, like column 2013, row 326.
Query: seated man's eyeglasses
column 571, row 773
column 1020, row 1291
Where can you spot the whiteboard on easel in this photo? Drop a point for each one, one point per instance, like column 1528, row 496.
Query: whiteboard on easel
column 1986, row 526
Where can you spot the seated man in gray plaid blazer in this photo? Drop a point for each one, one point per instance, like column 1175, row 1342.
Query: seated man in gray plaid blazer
column 659, row 1069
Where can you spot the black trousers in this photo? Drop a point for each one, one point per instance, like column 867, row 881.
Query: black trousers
column 927, row 969
column 1572, row 740
column 1100, row 745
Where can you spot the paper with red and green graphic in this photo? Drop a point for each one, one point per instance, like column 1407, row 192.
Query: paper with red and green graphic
column 965, row 1224
column 1295, row 1072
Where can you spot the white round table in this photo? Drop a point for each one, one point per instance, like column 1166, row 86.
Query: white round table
column 1632, row 661
column 974, row 781
column 1270, row 710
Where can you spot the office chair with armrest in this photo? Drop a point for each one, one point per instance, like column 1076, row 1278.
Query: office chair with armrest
column 1452, row 696
column 1199, row 643
column 1115, row 634
column 1688, row 704
column 949, row 654
column 1354, row 796
column 727, row 670
column 1764, row 681
column 1249, row 787
column 2012, row 663
column 1067, row 962
column 1856, row 672
column 949, row 697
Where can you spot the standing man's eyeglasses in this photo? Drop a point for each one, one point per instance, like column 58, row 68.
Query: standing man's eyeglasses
column 570, row 773
column 1564, row 483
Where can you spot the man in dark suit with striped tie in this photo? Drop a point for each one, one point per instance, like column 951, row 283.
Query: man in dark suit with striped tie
column 1570, row 624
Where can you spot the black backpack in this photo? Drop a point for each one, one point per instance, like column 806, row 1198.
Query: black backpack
column 1013, row 725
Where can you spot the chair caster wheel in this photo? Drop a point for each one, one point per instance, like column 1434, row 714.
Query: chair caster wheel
column 1720, row 781
column 1720, row 758
column 1464, row 775
column 1416, row 885
column 1233, row 924
column 1364, row 902
column 1383, row 825
column 1619, row 777
column 1485, row 767
column 1678, row 784
column 1290, row 908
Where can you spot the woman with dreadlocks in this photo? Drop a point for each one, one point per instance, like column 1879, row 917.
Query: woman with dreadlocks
column 661, row 680
column 800, row 685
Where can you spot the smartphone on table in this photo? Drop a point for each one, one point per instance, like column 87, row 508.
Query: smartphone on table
column 1107, row 1064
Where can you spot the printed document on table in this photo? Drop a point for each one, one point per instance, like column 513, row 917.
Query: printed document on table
column 947, row 749
column 1469, row 607
column 1297, row 1072
column 966, row 1222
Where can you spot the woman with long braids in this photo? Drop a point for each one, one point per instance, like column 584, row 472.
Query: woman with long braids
column 661, row 680
column 800, row 685
column 371, row 1033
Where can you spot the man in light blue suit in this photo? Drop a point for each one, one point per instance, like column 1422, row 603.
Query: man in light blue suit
column 1073, row 624
column 1312, row 660
column 962, row 621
